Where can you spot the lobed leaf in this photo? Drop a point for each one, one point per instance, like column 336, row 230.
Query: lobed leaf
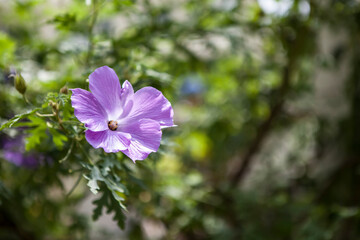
column 17, row 118
column 113, row 192
column 108, row 202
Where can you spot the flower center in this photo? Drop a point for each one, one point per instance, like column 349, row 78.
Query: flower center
column 113, row 125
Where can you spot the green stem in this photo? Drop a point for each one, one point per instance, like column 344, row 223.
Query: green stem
column 27, row 100
column 75, row 185
column 44, row 115
column 57, row 115
column 93, row 19
column 68, row 153
column 86, row 155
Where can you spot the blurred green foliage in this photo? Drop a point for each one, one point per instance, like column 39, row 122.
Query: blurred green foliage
column 266, row 97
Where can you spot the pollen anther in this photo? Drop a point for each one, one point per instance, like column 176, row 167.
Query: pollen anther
column 113, row 125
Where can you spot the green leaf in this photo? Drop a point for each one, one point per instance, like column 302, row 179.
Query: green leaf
column 119, row 216
column 108, row 202
column 94, row 187
column 16, row 118
column 122, row 3
column 36, row 137
column 56, row 97
column 110, row 162
column 114, row 192
column 7, row 49
column 100, row 204
column 95, row 175
column 64, row 21
column 58, row 138
column 37, row 134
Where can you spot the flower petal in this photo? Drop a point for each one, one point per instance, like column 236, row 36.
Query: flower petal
column 105, row 86
column 150, row 103
column 145, row 138
column 88, row 110
column 110, row 141
column 127, row 91
column 127, row 94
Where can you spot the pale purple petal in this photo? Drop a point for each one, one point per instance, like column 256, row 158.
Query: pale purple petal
column 110, row 141
column 126, row 95
column 150, row 103
column 145, row 138
column 88, row 110
column 127, row 91
column 105, row 86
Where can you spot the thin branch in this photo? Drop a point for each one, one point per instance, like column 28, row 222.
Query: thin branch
column 68, row 153
column 59, row 120
column 264, row 128
column 74, row 187
column 44, row 115
column 85, row 153
column 92, row 23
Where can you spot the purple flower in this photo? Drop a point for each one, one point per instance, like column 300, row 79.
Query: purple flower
column 14, row 152
column 119, row 119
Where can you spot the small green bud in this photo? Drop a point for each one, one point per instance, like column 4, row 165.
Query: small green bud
column 20, row 84
column 64, row 90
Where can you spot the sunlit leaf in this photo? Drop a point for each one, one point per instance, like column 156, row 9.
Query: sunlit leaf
column 17, row 118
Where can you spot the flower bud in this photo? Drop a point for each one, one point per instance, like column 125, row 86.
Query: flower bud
column 20, row 84
column 64, row 90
